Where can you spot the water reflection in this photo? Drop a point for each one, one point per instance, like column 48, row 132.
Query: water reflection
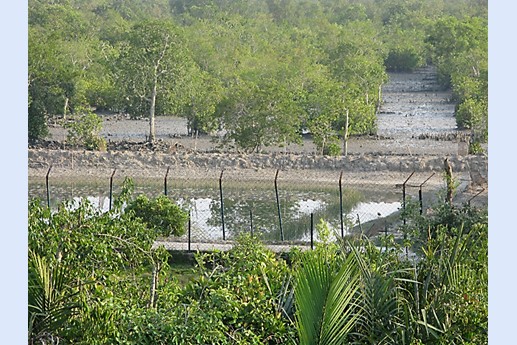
column 245, row 210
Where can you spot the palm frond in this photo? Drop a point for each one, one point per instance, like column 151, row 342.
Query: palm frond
column 50, row 298
column 325, row 300
column 342, row 308
column 313, row 282
column 380, row 304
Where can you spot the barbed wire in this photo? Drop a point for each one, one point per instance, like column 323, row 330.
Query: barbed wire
column 275, row 205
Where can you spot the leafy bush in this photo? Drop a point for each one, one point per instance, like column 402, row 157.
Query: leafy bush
column 107, row 255
column 332, row 149
column 475, row 148
column 403, row 59
column 244, row 287
column 161, row 215
column 440, row 216
column 85, row 130
column 237, row 299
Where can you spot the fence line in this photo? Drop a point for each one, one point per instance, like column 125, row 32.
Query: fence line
column 347, row 208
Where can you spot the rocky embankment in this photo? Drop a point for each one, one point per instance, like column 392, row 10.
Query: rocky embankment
column 152, row 164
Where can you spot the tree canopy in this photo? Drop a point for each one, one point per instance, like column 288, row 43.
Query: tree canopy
column 261, row 72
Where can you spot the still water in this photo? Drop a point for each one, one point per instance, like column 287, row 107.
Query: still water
column 246, row 207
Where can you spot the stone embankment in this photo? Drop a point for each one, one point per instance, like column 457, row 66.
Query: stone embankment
column 144, row 163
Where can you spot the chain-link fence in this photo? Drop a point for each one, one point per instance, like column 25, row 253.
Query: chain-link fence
column 275, row 205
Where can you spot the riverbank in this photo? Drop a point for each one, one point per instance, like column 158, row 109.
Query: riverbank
column 388, row 170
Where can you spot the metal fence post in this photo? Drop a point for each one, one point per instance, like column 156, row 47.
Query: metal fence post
column 312, row 230
column 404, row 196
column 222, row 202
column 341, row 206
column 165, row 181
column 111, row 187
column 386, row 233
column 189, row 230
column 420, row 198
column 47, row 185
column 404, row 209
column 278, row 207
column 251, row 222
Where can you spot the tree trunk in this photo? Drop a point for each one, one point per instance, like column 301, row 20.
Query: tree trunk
column 65, row 108
column 151, row 113
column 379, row 99
column 154, row 285
column 153, row 288
column 345, row 136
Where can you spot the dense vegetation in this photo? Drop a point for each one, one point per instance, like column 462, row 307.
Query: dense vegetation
column 94, row 278
column 263, row 71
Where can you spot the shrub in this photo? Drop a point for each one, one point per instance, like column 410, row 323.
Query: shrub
column 160, row 214
column 246, row 288
column 84, row 131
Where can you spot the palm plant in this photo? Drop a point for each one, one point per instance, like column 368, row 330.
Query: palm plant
column 360, row 296
column 51, row 299
column 325, row 299
column 454, row 287
column 379, row 306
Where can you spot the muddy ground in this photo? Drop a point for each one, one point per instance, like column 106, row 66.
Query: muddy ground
column 416, row 119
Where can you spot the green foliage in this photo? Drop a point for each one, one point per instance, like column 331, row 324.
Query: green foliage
column 37, row 120
column 333, row 148
column 402, row 60
column 81, row 236
column 439, row 217
column 108, row 255
column 66, row 64
column 454, row 293
column 243, row 286
column 84, row 130
column 460, row 51
column 52, row 299
column 160, row 215
column 434, row 300
column 261, row 71
column 475, row 148
column 154, row 70
column 451, row 293
column 383, row 299
column 325, row 298
column 51, row 81
column 90, row 273
column 236, row 299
